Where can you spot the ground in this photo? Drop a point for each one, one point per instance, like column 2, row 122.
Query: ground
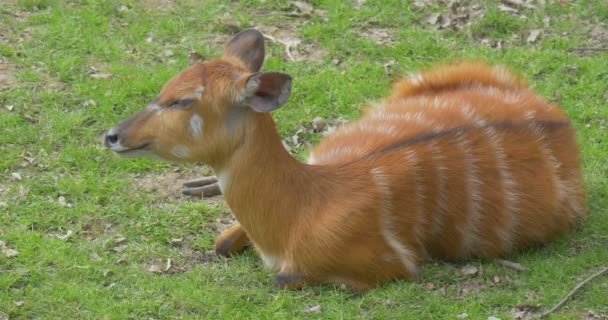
column 85, row 234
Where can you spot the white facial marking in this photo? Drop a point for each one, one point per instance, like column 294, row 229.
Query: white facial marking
column 153, row 107
column 196, row 125
column 180, row 152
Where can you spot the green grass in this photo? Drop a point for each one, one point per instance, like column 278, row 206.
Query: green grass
column 120, row 228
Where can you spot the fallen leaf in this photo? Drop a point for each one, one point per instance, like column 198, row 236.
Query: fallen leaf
column 462, row 316
column 469, row 270
column 19, row 303
column 61, row 201
column 505, row 8
column 388, row 67
column 8, row 107
column 168, row 265
column 9, row 253
column 154, row 268
column 95, row 256
column 21, row 271
column 120, row 248
column 23, row 191
column 496, row 279
column 100, row 75
column 3, row 204
column 303, row 7
column 65, row 236
column 120, row 239
column 176, row 240
column 195, row 57
column 432, row 18
column 493, row 318
column 533, row 35
column 429, row 286
column 16, row 176
column 315, row 309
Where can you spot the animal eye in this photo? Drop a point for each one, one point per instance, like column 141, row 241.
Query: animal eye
column 181, row 103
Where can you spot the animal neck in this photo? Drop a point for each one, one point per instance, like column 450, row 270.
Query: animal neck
column 266, row 188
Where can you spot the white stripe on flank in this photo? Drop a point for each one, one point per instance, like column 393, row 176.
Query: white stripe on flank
column 470, row 231
column 412, row 159
column 406, row 255
column 509, row 189
column 442, row 200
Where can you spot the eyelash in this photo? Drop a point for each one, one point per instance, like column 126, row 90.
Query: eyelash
column 181, row 103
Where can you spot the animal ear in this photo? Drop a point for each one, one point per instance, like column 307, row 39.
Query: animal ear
column 248, row 46
column 266, row 91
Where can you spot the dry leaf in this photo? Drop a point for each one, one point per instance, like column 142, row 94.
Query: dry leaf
column 504, row 8
column 303, row 7
column 153, row 268
column 168, row 265
column 16, row 176
column 9, row 253
column 61, row 201
column 496, row 279
column 3, row 204
column 21, row 271
column 94, row 256
column 533, row 35
column 429, row 286
column 462, row 316
column 469, row 270
column 493, row 318
column 195, row 57
column 315, row 309
column 119, row 239
column 100, row 75
column 8, row 107
column 65, row 236
column 176, row 240
column 432, row 18
column 19, row 303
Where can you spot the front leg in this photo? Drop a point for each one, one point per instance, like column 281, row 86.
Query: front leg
column 231, row 241
column 293, row 280
column 205, row 187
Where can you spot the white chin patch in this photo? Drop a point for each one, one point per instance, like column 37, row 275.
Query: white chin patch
column 181, row 152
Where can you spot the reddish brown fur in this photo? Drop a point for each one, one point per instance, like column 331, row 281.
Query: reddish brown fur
column 460, row 161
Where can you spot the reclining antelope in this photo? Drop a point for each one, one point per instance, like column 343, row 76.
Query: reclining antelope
column 460, row 161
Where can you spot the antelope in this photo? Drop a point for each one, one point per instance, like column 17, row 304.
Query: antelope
column 463, row 160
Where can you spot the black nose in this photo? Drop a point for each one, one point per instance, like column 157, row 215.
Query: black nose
column 111, row 139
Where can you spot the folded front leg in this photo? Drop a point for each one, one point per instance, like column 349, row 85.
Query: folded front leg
column 231, row 241
column 205, row 187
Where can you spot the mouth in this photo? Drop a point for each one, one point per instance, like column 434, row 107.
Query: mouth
column 141, row 150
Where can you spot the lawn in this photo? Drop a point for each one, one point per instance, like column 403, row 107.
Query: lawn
column 86, row 234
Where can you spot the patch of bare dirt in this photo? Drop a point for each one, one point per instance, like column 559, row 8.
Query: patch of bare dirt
column 169, row 184
column 382, row 36
column 458, row 14
column 284, row 33
column 295, row 47
column 598, row 35
column 186, row 260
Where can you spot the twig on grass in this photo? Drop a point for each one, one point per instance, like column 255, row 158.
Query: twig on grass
column 511, row 265
column 590, row 49
column 578, row 286
column 287, row 45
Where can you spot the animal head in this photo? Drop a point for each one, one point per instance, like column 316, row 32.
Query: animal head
column 199, row 114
